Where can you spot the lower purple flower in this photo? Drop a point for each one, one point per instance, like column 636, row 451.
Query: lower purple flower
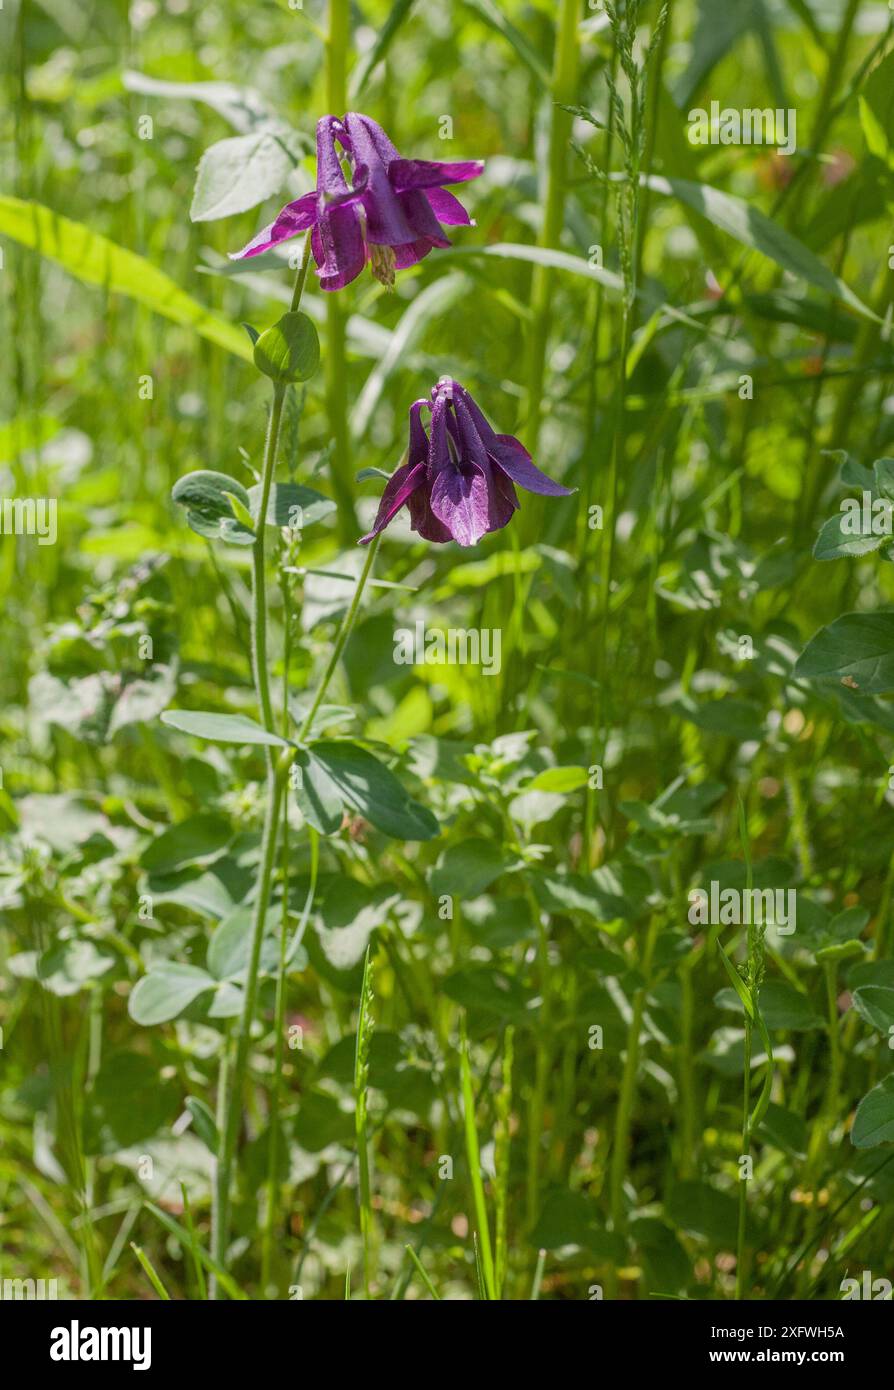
column 389, row 214
column 459, row 479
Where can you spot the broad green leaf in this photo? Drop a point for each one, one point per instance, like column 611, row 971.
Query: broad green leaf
column 875, row 1004
column 288, row 351
column 166, row 991
column 575, row 1219
column 221, row 728
column 468, row 867
column 318, row 797
column 71, row 966
column 753, row 229
column 238, row 173
column 836, row 540
column 199, row 837
column 704, row 1211
column 374, row 791
column 291, row 504
column 490, row 991
column 857, row 649
column 874, row 1120
column 207, row 495
column 231, row 945
column 241, row 106
column 97, row 261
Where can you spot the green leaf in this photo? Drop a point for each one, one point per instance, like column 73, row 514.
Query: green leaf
column 490, row 991
column 71, row 966
column 703, row 1210
column 785, row 1130
column 97, row 261
column 291, row 504
column 166, row 991
column 318, row 796
column 203, row 1123
column 876, row 102
column 241, row 106
column 753, row 229
column 858, row 648
column 209, row 511
column 221, row 728
column 875, row 1004
column 574, row 1219
column 559, row 779
column 238, row 173
column 398, row 12
column 738, row 983
column 834, row 542
column 874, row 1120
column 468, row 867
column 199, row 837
column 783, row 1006
column 231, row 946
column 289, row 351
column 374, row 791
column 493, row 15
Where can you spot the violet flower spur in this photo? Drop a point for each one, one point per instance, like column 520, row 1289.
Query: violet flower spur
column 459, row 480
column 389, row 214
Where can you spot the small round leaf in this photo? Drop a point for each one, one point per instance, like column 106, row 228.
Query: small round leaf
column 290, row 350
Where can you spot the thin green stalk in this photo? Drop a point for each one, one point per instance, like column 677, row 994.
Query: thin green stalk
column 337, row 46
column 344, row 633
column 193, row 1243
column 154, row 1280
column 627, row 1095
column 232, row 1095
column 473, row 1156
column 422, row 1274
column 742, row 1222
column 361, row 1096
column 502, row 1145
column 564, row 91
column 259, row 581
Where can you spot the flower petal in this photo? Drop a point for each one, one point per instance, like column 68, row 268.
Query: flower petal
column 514, row 459
column 423, row 520
column 427, row 173
column 295, row 217
column 459, row 499
column 448, row 209
column 400, row 486
column 338, row 247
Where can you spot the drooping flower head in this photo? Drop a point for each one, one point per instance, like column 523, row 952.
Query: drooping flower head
column 459, row 479
column 388, row 214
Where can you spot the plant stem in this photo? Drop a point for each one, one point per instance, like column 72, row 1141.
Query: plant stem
column 627, row 1095
column 232, row 1094
column 564, row 90
column 745, row 1153
column 344, row 633
column 336, row 365
column 259, row 583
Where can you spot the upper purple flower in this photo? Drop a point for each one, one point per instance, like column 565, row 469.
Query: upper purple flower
column 388, row 214
column 459, row 481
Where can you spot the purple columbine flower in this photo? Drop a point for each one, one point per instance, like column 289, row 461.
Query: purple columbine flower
column 459, row 480
column 389, row 214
